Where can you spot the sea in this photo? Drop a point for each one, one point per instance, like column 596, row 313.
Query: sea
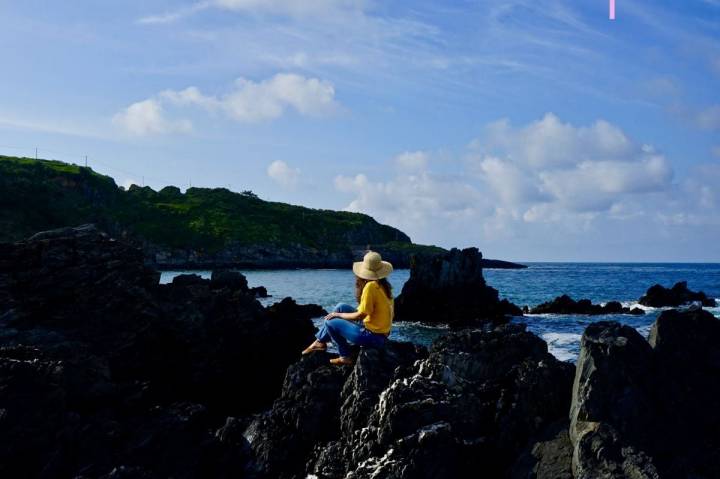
column 540, row 282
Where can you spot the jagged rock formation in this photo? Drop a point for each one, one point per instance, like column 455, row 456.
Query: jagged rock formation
column 566, row 305
column 102, row 369
column 450, row 289
column 106, row 373
column 474, row 403
column 658, row 296
column 648, row 409
column 318, row 402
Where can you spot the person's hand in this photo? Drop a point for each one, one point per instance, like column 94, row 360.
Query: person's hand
column 331, row 315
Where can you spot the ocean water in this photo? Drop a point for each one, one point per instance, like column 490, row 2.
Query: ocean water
column 540, row 282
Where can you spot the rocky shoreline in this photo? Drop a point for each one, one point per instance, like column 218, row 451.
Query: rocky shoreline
column 104, row 373
column 566, row 305
column 268, row 258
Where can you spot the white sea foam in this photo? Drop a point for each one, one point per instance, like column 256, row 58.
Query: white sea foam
column 564, row 346
column 635, row 304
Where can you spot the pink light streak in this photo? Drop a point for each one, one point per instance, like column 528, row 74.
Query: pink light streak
column 612, row 9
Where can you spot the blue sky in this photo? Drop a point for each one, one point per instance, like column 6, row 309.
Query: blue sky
column 535, row 130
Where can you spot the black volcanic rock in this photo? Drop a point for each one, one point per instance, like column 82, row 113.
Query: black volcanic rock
column 307, row 412
column 566, row 305
column 501, row 264
column 106, row 373
column 321, row 402
column 229, row 279
column 477, row 401
column 658, row 296
column 259, row 292
column 189, row 279
column 288, row 307
column 235, row 281
column 450, row 289
column 648, row 409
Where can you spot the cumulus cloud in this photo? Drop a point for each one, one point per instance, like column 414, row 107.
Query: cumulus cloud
column 415, row 201
column 283, row 174
column 512, row 180
column 549, row 142
column 148, row 117
column 548, row 168
column 597, row 185
column 248, row 101
column 266, row 100
column 507, row 180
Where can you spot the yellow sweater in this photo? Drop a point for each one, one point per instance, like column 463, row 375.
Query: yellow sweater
column 377, row 307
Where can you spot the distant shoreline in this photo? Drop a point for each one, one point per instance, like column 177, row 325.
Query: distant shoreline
column 194, row 266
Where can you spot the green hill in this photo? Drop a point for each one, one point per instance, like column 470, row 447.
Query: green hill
column 201, row 227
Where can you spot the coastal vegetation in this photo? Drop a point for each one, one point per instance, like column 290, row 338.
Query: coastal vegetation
column 37, row 195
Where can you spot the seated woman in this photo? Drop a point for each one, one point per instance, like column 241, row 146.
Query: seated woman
column 369, row 324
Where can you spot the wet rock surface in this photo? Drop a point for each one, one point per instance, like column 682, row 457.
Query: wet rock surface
column 658, row 296
column 450, row 289
column 104, row 372
column 566, row 305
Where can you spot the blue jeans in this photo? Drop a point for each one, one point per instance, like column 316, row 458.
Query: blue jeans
column 342, row 332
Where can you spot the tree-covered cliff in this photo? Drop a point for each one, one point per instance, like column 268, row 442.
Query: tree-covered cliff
column 201, row 226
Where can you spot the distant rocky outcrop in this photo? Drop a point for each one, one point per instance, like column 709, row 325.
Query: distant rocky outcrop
column 106, row 373
column 450, row 289
column 648, row 409
column 658, row 296
column 501, row 264
column 566, row 305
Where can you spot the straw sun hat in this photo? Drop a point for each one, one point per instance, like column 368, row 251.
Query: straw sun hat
column 372, row 267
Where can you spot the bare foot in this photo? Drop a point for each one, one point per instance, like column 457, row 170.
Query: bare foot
column 315, row 346
column 341, row 361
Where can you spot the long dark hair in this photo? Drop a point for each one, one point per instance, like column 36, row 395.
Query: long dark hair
column 360, row 284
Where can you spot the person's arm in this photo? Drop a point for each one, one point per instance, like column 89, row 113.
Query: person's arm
column 364, row 308
column 356, row 316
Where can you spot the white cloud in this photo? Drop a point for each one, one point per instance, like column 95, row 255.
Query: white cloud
column 265, row 100
column 415, row 160
column 550, row 166
column 147, row 117
column 270, row 98
column 282, row 173
column 508, row 181
column 248, row 102
column 416, row 201
column 188, row 96
column 549, row 143
column 597, row 185
column 515, row 181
